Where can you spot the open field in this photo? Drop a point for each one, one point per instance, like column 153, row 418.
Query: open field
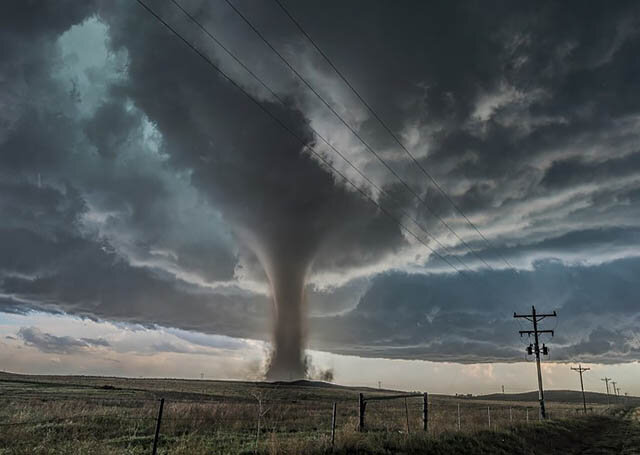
column 97, row 415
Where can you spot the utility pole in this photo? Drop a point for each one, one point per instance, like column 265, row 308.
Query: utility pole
column 606, row 381
column 503, row 390
column 535, row 318
column 581, row 370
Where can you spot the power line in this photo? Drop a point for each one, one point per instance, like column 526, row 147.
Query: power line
column 290, row 131
column 390, row 131
column 355, row 133
column 320, row 136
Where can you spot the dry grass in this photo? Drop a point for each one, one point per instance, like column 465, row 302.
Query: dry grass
column 109, row 416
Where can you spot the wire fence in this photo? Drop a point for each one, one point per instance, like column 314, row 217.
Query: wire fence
column 255, row 416
column 123, row 416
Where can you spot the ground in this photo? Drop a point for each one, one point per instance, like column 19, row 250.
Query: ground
column 100, row 415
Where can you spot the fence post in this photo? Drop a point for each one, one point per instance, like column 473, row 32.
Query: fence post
column 489, row 416
column 155, row 439
column 333, row 426
column 527, row 415
column 458, row 416
column 510, row 415
column 361, row 404
column 425, row 411
column 406, row 411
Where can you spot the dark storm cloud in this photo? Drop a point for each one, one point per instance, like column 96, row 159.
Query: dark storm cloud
column 553, row 77
column 454, row 318
column 279, row 200
column 252, row 169
column 70, row 273
column 130, row 189
column 110, row 127
column 574, row 171
column 51, row 344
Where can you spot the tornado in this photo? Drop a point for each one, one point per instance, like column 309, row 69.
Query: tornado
column 289, row 322
column 286, row 258
column 281, row 201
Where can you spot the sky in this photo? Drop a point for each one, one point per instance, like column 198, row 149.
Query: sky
column 154, row 207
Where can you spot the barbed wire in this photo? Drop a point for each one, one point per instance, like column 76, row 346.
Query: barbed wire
column 287, row 414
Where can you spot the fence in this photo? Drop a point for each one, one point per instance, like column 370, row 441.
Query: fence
column 362, row 406
column 247, row 422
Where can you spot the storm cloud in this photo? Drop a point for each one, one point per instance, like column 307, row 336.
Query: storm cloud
column 138, row 185
column 452, row 318
column 45, row 342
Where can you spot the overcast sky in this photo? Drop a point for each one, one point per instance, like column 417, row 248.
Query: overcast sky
column 146, row 197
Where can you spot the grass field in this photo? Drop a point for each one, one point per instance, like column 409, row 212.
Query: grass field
column 97, row 415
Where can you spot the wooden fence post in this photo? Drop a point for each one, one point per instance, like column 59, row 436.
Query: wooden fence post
column 425, row 411
column 361, row 405
column 458, row 416
column 333, row 426
column 406, row 412
column 155, row 439
column 489, row 416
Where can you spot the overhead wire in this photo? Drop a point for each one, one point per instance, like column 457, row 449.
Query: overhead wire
column 302, row 141
column 293, row 134
column 367, row 146
column 389, row 130
column 355, row 133
column 273, row 93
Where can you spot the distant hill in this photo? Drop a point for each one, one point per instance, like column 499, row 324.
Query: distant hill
column 558, row 396
column 564, row 396
column 329, row 385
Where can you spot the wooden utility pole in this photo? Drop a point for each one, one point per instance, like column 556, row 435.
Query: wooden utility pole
column 606, row 381
column 581, row 370
column 615, row 393
column 535, row 318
